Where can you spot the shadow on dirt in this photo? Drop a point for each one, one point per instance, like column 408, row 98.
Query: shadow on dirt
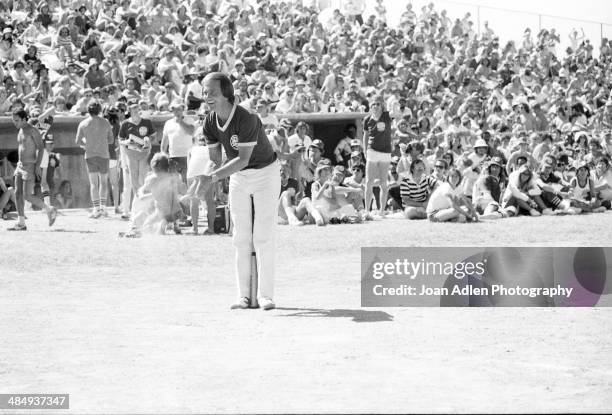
column 358, row 316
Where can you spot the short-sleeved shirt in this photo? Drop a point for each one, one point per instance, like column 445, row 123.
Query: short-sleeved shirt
column 417, row 191
column 242, row 129
column 98, row 134
column 378, row 132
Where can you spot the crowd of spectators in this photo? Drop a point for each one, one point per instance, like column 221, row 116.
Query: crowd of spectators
column 460, row 101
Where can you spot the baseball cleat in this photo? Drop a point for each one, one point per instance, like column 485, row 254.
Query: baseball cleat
column 266, row 303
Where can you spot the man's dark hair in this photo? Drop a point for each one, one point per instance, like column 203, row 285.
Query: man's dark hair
column 23, row 114
column 227, row 89
column 94, row 108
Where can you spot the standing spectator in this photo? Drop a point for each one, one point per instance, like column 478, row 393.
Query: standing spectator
column 300, row 138
column 377, row 142
column 94, row 134
column 136, row 135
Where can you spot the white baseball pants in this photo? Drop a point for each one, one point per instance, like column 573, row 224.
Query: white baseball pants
column 264, row 185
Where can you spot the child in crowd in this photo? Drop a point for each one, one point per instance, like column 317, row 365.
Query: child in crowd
column 448, row 204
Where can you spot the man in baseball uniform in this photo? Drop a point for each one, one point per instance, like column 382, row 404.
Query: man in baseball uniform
column 254, row 175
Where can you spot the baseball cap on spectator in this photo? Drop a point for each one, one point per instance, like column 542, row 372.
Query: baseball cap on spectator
column 496, row 161
column 318, row 143
column 238, row 62
column 313, row 145
column 321, row 167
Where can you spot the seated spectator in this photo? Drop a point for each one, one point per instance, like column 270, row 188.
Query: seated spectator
column 487, row 191
column 522, row 196
column 64, row 198
column 62, row 43
column 289, row 210
column 603, row 181
column 7, row 195
column 448, row 204
column 582, row 191
column 415, row 189
column 328, row 200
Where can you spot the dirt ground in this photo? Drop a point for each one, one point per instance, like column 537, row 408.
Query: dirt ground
column 143, row 326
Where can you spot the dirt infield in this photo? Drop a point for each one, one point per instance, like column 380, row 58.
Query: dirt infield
column 143, row 326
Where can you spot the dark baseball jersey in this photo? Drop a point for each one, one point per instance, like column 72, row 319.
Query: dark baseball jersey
column 241, row 129
column 378, row 132
column 143, row 129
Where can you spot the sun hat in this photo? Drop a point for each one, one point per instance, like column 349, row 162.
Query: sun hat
column 480, row 143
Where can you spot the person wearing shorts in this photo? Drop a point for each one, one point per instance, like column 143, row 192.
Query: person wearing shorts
column 177, row 140
column 30, row 151
column 94, row 134
column 377, row 141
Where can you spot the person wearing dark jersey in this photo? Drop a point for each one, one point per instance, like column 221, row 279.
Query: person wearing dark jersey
column 254, row 175
column 136, row 134
column 377, row 141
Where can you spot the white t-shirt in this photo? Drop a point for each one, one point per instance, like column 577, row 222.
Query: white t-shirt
column 199, row 163
column 605, row 194
column 439, row 199
column 179, row 141
column 294, row 140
